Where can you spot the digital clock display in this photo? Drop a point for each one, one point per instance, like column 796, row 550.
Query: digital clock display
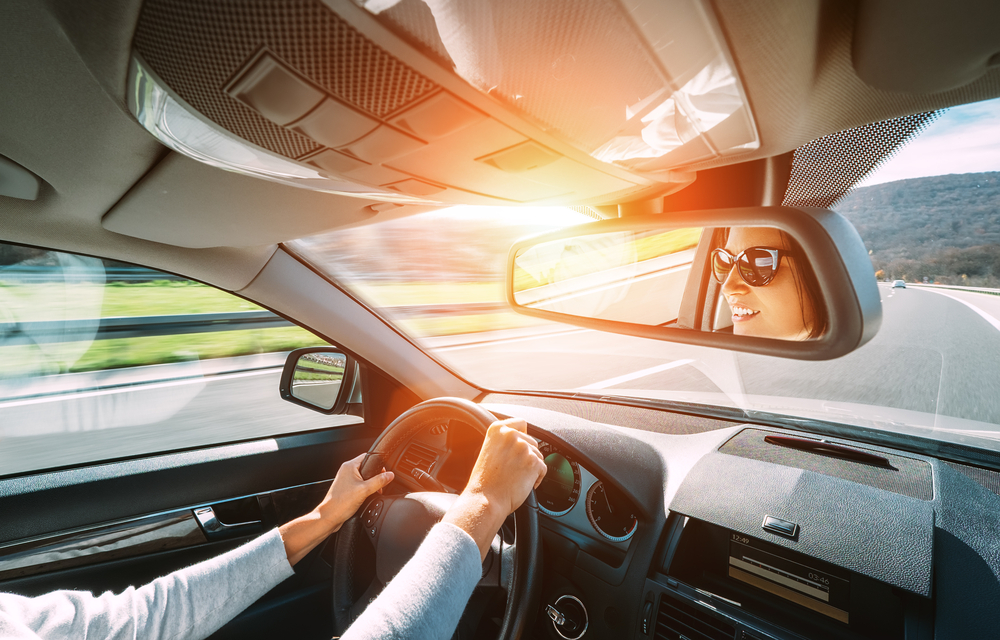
column 823, row 589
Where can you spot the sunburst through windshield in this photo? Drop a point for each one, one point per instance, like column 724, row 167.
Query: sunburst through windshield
column 930, row 217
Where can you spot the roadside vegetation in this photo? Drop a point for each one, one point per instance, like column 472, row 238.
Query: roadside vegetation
column 943, row 228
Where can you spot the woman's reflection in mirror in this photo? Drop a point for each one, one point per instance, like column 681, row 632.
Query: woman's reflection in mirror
column 769, row 285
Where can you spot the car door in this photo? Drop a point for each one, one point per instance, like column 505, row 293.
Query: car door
column 141, row 431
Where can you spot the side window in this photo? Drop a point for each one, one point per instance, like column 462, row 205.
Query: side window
column 101, row 360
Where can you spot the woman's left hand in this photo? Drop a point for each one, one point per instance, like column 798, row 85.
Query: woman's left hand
column 348, row 491
column 345, row 496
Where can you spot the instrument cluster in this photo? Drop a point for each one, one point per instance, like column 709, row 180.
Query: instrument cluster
column 608, row 512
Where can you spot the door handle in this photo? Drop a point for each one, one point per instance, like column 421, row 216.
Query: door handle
column 215, row 530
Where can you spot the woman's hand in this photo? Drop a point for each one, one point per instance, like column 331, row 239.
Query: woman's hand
column 345, row 496
column 508, row 468
column 348, row 491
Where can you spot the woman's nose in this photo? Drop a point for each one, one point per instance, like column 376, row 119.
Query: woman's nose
column 734, row 284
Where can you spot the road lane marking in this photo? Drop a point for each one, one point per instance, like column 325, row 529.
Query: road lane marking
column 484, row 343
column 132, row 387
column 604, row 384
column 987, row 317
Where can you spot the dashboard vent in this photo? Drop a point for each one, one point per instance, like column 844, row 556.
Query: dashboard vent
column 677, row 620
column 417, row 456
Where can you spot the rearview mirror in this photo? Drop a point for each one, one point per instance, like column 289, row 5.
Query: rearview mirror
column 790, row 282
column 319, row 378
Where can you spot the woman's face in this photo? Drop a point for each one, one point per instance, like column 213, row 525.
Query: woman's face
column 776, row 310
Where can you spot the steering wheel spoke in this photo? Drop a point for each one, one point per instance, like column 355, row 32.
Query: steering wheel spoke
column 366, row 598
column 498, row 567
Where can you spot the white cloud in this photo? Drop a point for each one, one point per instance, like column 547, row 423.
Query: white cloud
column 965, row 139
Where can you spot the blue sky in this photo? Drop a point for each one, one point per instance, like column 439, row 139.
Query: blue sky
column 965, row 139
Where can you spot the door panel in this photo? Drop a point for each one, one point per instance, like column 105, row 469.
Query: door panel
column 132, row 502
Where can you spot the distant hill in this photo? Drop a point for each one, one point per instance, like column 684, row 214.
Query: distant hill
column 941, row 227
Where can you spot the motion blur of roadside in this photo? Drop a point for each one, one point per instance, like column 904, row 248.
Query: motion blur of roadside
column 70, row 385
column 52, row 305
column 451, row 257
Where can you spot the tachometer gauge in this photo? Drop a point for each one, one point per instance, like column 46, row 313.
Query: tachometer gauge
column 560, row 489
column 610, row 513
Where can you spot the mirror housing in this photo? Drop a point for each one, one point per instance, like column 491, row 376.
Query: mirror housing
column 319, row 378
column 836, row 253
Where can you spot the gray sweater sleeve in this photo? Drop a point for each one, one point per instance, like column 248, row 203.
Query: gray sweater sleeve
column 425, row 600
column 427, row 597
column 190, row 603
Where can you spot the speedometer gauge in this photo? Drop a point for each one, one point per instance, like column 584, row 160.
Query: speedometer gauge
column 560, row 489
column 610, row 513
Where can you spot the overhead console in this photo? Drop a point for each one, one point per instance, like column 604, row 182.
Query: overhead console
column 779, row 538
column 413, row 102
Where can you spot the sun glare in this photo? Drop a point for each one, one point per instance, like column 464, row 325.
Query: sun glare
column 541, row 216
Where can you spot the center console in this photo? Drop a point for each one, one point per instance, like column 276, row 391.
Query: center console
column 715, row 584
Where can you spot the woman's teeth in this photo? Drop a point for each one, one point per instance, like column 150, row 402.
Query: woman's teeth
column 743, row 312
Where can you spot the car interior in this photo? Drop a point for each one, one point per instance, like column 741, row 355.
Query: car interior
column 204, row 139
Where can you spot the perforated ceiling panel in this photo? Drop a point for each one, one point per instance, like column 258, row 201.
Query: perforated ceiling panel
column 824, row 170
column 197, row 47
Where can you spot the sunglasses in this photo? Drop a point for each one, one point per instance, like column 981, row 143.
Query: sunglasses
column 756, row 265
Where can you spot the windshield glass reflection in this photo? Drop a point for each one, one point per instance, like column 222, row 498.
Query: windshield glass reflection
column 931, row 370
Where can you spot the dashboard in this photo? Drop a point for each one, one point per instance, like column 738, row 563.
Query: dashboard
column 700, row 529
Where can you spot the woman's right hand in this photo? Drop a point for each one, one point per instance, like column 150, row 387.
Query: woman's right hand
column 509, row 466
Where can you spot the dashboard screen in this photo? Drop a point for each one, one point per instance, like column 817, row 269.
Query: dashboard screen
column 766, row 567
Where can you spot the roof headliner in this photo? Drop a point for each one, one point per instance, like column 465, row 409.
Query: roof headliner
column 62, row 115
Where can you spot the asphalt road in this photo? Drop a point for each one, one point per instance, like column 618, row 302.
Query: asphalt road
column 935, row 359
column 933, row 354
column 57, row 431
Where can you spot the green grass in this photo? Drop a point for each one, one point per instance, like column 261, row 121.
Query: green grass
column 45, row 359
column 56, row 301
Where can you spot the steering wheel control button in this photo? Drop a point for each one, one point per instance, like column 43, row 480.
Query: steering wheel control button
column 780, row 527
column 568, row 617
column 370, row 516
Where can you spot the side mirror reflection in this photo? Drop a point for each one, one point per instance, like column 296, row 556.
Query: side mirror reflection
column 317, row 378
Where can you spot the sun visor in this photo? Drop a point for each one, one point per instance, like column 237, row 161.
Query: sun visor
column 440, row 101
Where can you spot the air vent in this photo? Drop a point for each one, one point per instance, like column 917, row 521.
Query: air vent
column 677, row 620
column 417, row 456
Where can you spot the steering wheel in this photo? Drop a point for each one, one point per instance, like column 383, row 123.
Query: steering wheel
column 396, row 525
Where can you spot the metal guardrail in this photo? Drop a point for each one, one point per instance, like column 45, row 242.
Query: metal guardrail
column 955, row 287
column 30, row 274
column 49, row 331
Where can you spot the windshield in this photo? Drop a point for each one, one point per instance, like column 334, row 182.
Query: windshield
column 929, row 217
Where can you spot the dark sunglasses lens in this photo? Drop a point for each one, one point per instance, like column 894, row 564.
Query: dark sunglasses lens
column 757, row 266
column 722, row 263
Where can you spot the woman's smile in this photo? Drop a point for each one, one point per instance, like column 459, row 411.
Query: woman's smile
column 742, row 313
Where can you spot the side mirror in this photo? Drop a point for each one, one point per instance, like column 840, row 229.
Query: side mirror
column 318, row 378
column 778, row 281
